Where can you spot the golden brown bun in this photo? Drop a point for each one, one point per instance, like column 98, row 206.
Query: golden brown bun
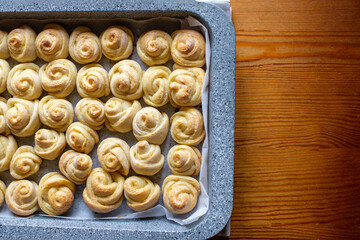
column 93, row 81
column 91, row 112
column 155, row 86
column 21, row 197
column 8, row 146
column 4, row 50
column 75, row 166
column 184, row 160
column 81, row 138
column 4, row 72
column 24, row 162
column 21, row 44
column 49, row 144
column 117, row 42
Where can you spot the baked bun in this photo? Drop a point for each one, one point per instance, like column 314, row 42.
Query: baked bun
column 21, row 197
column 91, row 112
column 24, row 162
column 81, row 138
column 117, row 42
column 4, row 129
column 155, row 86
column 184, row 160
column 93, row 81
column 49, row 144
column 4, row 50
column 21, row 44
column 75, row 166
column 8, row 147
column 2, row 192
column 4, row 72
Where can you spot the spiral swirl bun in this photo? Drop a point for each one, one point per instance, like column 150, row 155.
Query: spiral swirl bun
column 4, row 72
column 49, row 144
column 104, row 191
column 56, row 194
column 93, row 81
column 187, row 126
column 155, row 86
column 114, row 155
column 24, row 162
column 180, row 193
column 22, row 116
column 81, row 138
column 184, row 160
column 21, row 197
column 140, row 193
column 75, row 166
column 84, row 46
column 153, row 47
column 52, row 43
column 117, row 42
column 56, row 113
column 125, row 80
column 2, row 192
column 185, row 87
column 8, row 146
column 151, row 125
column 24, row 81
column 91, row 112
column 120, row 114
column 21, row 44
column 4, row 129
column 58, row 77
column 146, row 159
column 4, row 50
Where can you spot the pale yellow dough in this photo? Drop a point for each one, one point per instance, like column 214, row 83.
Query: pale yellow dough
column 184, row 160
column 117, row 42
column 24, row 162
column 91, row 112
column 155, row 86
column 21, row 197
column 81, row 138
column 75, row 166
column 93, row 81
column 4, row 50
column 4, row 72
column 49, row 144
column 8, row 146
column 4, row 129
column 21, row 44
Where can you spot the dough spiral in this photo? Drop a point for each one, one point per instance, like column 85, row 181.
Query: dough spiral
column 120, row 114
column 184, row 160
column 24, row 162
column 58, row 77
column 52, row 43
column 155, row 86
column 117, row 42
column 188, row 48
column 21, row 197
column 187, row 126
column 151, row 125
column 4, row 129
column 93, row 81
column 153, row 47
column 84, row 46
column 56, row 194
column 114, row 155
column 104, row 191
column 21, row 44
column 4, row 50
column 146, row 159
column 4, row 72
column 49, row 144
column 140, row 193
column 180, row 193
column 125, row 80
column 2, row 192
column 56, row 113
column 81, row 138
column 24, row 81
column 91, row 112
column 75, row 166
column 8, row 147
column 22, row 116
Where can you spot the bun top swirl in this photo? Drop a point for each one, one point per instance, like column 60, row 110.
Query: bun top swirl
column 21, row 44
column 117, row 42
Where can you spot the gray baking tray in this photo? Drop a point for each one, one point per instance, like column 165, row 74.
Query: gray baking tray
column 221, row 122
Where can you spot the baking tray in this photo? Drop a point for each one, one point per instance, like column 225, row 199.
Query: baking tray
column 221, row 122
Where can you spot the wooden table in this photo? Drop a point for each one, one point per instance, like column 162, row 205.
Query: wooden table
column 297, row 134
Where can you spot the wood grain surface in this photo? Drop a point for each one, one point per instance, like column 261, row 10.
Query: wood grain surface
column 297, row 140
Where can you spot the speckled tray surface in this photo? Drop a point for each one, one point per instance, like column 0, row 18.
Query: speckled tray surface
column 221, row 122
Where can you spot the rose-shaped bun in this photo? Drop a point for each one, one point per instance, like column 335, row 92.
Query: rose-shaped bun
column 188, row 48
column 75, row 166
column 49, row 144
column 93, row 81
column 187, row 126
column 8, row 146
column 4, row 50
column 180, row 193
column 84, row 46
column 153, row 47
column 155, row 86
column 21, row 44
column 56, row 194
column 2, row 192
column 104, row 191
column 24, row 162
column 91, row 112
column 4, row 129
column 58, row 77
column 4, row 72
column 120, row 114
column 185, row 86
column 56, row 113
column 146, row 159
column 114, row 155
column 21, row 197
column 52, row 43
column 184, row 160
column 22, row 116
column 140, row 193
column 24, row 81
column 117, row 42
column 81, row 138
column 151, row 125
column 125, row 80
